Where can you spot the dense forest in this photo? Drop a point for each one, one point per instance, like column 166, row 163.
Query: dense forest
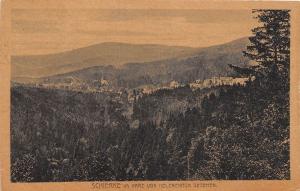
column 226, row 132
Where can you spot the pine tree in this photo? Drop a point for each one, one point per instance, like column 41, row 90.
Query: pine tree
column 269, row 49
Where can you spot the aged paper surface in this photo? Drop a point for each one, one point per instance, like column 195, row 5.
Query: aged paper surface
column 149, row 95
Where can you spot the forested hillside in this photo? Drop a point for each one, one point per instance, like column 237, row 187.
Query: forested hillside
column 233, row 133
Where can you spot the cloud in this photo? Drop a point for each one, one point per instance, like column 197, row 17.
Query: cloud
column 35, row 26
column 114, row 32
column 194, row 16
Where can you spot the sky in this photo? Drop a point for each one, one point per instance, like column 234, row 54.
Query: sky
column 50, row 29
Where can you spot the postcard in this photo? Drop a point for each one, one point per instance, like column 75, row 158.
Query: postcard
column 149, row 95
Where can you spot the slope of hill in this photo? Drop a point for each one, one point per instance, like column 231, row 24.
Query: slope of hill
column 114, row 54
column 206, row 63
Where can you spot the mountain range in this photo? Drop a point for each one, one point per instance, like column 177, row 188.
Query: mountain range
column 131, row 65
column 109, row 53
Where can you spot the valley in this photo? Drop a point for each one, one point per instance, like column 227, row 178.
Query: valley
column 115, row 112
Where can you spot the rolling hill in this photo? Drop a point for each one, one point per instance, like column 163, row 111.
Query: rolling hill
column 116, row 54
column 187, row 65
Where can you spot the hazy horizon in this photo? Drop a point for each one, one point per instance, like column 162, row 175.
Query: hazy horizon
column 125, row 43
column 37, row 31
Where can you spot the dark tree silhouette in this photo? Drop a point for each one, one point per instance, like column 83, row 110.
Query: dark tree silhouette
column 269, row 49
column 270, row 45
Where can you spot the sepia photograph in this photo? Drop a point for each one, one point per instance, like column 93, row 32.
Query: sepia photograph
column 120, row 94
